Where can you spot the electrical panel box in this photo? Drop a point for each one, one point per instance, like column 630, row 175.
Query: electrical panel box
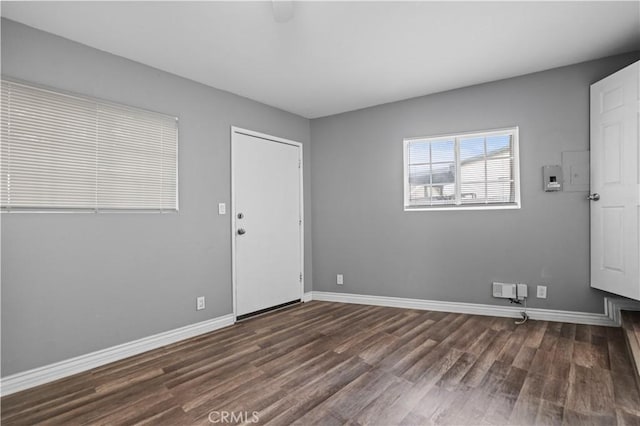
column 507, row 291
column 575, row 168
column 552, row 178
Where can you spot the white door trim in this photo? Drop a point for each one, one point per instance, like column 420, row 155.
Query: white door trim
column 238, row 130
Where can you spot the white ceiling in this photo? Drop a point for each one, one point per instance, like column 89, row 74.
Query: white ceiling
column 333, row 57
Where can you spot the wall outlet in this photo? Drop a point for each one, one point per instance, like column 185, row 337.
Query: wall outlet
column 200, row 303
column 504, row 290
column 542, row 292
column 340, row 279
column 222, row 208
column 522, row 291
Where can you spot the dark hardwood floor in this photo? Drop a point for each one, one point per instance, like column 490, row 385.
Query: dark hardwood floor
column 330, row 363
column 631, row 330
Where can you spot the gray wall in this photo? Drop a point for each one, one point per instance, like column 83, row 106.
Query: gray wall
column 76, row 283
column 361, row 230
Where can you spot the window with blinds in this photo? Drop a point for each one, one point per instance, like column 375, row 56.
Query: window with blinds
column 465, row 171
column 63, row 152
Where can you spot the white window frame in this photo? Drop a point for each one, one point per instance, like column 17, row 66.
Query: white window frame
column 514, row 131
column 98, row 102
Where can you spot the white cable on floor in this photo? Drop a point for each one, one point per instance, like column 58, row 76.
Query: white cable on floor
column 524, row 314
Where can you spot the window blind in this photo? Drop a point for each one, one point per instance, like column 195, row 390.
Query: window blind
column 66, row 152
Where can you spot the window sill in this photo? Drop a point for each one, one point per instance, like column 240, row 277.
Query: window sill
column 455, row 208
column 87, row 211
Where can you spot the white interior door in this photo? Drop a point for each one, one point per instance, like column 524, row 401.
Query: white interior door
column 267, row 220
column 615, row 193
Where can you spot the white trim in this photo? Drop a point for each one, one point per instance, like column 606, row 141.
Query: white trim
column 238, row 130
column 233, row 228
column 472, row 134
column 464, row 207
column 613, row 306
column 307, row 297
column 473, row 308
column 235, row 129
column 516, row 165
column 48, row 373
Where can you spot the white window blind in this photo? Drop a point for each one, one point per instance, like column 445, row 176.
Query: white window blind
column 470, row 170
column 66, row 152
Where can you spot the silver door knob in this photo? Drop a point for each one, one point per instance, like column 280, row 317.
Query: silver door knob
column 594, row 197
column 241, row 231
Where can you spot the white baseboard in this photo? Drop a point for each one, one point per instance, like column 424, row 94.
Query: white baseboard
column 612, row 311
column 613, row 306
column 58, row 370
column 48, row 373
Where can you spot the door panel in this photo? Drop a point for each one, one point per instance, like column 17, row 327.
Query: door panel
column 611, row 153
column 612, row 99
column 267, row 196
column 615, row 231
column 613, row 247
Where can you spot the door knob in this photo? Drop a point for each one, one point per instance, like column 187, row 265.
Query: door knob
column 241, row 231
column 594, row 197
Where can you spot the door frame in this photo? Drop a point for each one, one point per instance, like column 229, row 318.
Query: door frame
column 274, row 139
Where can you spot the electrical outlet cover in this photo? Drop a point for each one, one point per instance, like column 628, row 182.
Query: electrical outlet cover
column 522, row 291
column 200, row 303
column 504, row 290
column 542, row 292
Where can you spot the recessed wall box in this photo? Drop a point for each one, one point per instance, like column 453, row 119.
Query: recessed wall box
column 575, row 170
column 552, row 178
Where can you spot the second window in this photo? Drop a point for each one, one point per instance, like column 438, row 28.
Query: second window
column 468, row 170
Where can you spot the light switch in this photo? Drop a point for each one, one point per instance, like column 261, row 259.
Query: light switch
column 222, row 208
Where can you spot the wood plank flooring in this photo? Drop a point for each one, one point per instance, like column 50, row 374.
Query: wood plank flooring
column 631, row 330
column 330, row 363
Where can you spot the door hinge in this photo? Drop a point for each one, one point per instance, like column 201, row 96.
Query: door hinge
column 300, row 222
column 299, row 163
column 300, row 276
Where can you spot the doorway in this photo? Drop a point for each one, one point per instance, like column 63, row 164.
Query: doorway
column 267, row 221
column 615, row 184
